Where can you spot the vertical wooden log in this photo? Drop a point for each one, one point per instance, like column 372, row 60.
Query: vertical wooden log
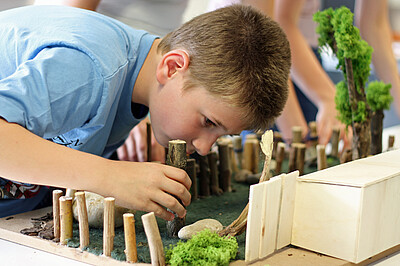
column 277, row 139
column 301, row 153
column 391, row 142
column 177, row 158
column 376, row 131
column 297, row 134
column 280, row 156
column 256, row 157
column 70, row 193
column 293, row 157
column 335, row 141
column 56, row 213
column 238, row 150
column 148, row 131
column 234, row 167
column 313, row 133
column 154, row 239
column 191, row 171
column 224, row 170
column 204, row 177
column 248, row 154
column 108, row 226
column 212, row 162
column 130, row 237
column 321, row 157
column 83, row 220
column 66, row 218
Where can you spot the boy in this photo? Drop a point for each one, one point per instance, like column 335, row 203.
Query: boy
column 81, row 80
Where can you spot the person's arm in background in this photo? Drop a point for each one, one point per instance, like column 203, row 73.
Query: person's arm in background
column 85, row 4
column 292, row 115
column 371, row 17
column 307, row 72
column 135, row 147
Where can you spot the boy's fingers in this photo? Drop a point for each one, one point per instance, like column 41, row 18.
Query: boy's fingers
column 171, row 203
column 178, row 175
column 161, row 212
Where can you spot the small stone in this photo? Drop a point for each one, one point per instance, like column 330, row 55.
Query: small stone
column 190, row 230
column 95, row 210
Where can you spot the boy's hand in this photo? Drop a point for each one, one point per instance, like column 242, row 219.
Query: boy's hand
column 135, row 147
column 149, row 187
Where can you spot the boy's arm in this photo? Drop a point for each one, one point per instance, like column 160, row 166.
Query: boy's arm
column 28, row 158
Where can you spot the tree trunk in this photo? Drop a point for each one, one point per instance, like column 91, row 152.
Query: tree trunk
column 376, row 132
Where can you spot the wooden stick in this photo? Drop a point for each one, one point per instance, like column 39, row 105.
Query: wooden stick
column 293, row 157
column 212, row 162
column 65, row 219
column 130, row 237
column 277, row 139
column 280, row 156
column 248, row 155
column 154, row 239
column 108, row 226
column 297, row 134
column 301, row 153
column 148, row 130
column 238, row 150
column 204, row 176
column 224, row 169
column 321, row 157
column 191, row 171
column 335, row 141
column 177, row 158
column 83, row 220
column 56, row 213
column 391, row 141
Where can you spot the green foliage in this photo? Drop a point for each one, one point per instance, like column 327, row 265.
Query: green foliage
column 378, row 95
column 324, row 28
column 205, row 248
column 343, row 104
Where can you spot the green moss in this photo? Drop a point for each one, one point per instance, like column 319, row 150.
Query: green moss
column 205, row 248
column 378, row 95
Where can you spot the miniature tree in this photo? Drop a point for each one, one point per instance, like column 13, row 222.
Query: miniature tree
column 354, row 54
column 378, row 98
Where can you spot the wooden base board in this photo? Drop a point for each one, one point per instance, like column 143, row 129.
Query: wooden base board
column 9, row 230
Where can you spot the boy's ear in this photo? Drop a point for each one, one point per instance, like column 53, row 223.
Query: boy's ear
column 171, row 63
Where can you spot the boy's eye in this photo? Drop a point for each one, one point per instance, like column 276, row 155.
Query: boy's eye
column 209, row 123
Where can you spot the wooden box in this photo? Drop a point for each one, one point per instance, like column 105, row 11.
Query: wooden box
column 350, row 211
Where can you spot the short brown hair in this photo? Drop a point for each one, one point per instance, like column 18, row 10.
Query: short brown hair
column 240, row 55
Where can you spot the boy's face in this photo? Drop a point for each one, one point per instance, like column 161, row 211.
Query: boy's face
column 194, row 116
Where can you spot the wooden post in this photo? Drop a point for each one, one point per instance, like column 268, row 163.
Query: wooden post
column 391, row 142
column 238, row 150
column 83, row 220
column 204, row 176
column 154, row 239
column 148, row 130
column 108, row 226
column 66, row 218
column 313, row 133
column 277, row 139
column 301, row 153
column 335, row 141
column 297, row 134
column 56, row 213
column 191, row 171
column 212, row 162
column 293, row 157
column 256, row 156
column 177, row 158
column 321, row 157
column 224, row 169
column 130, row 238
column 248, row 155
column 280, row 156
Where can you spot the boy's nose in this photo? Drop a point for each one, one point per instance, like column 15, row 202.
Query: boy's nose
column 203, row 145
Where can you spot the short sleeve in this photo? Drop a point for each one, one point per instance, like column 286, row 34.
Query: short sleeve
column 57, row 90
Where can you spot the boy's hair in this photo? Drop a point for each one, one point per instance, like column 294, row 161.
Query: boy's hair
column 240, row 55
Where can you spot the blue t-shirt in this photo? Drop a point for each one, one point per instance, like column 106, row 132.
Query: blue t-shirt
column 67, row 75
